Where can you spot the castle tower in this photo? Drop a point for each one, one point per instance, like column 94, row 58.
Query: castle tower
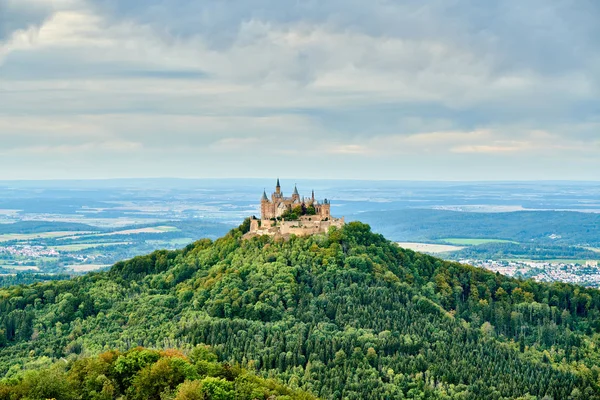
column 265, row 206
column 277, row 195
column 325, row 209
column 295, row 195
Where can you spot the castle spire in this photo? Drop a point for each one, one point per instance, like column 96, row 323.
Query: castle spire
column 296, row 189
column 313, row 195
column 264, row 196
column 278, row 187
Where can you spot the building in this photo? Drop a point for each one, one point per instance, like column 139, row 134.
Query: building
column 279, row 205
column 293, row 215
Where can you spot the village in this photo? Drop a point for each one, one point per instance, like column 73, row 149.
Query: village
column 25, row 257
column 585, row 273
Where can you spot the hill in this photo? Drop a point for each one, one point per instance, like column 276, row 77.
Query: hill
column 568, row 228
column 344, row 315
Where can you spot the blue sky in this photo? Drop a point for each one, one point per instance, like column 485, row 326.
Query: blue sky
column 436, row 90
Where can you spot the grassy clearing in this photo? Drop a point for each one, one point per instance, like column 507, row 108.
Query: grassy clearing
column 474, row 242
column 595, row 249
column 86, row 267
column 429, row 248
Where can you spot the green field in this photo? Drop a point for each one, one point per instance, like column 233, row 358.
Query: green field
column 29, row 236
column 152, row 229
column 19, row 267
column 180, row 242
column 86, row 267
column 429, row 247
column 85, row 246
column 474, row 242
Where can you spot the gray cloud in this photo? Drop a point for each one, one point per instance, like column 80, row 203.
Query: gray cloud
column 14, row 16
column 320, row 84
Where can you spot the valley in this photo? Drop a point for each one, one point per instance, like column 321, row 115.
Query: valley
column 73, row 227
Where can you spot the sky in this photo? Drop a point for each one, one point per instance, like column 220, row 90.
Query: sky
column 337, row 89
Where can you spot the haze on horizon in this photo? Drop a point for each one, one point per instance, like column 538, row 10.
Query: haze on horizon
column 462, row 90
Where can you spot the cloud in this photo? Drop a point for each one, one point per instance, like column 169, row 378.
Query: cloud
column 302, row 80
column 349, row 149
column 495, row 148
column 70, row 150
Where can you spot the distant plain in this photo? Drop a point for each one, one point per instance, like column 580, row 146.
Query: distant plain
column 66, row 226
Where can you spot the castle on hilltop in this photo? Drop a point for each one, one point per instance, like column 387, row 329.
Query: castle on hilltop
column 293, row 215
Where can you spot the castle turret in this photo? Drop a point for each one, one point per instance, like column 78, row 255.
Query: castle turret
column 325, row 209
column 295, row 195
column 265, row 206
column 277, row 195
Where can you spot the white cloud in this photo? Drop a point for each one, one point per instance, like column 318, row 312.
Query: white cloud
column 402, row 79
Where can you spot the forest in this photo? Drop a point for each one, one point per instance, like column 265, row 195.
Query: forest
column 144, row 374
column 344, row 315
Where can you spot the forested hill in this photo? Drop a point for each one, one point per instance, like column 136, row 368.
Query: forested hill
column 345, row 315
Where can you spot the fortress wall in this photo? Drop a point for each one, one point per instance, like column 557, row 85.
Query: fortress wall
column 307, row 219
column 301, row 227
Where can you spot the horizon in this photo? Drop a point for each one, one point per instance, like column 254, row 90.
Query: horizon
column 233, row 178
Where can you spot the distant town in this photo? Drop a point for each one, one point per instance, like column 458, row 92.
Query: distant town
column 585, row 273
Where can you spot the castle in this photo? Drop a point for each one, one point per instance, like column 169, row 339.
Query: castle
column 293, row 215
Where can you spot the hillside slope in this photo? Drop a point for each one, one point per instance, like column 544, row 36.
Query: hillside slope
column 344, row 315
column 143, row 374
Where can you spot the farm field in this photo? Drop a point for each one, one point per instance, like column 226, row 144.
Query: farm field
column 152, row 229
column 19, row 268
column 474, row 242
column 85, row 246
column 87, row 267
column 174, row 242
column 56, row 247
column 42, row 235
column 429, row 247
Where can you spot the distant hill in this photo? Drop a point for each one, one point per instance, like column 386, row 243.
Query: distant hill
column 345, row 315
column 541, row 227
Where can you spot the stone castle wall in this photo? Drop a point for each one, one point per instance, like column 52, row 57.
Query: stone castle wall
column 307, row 225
